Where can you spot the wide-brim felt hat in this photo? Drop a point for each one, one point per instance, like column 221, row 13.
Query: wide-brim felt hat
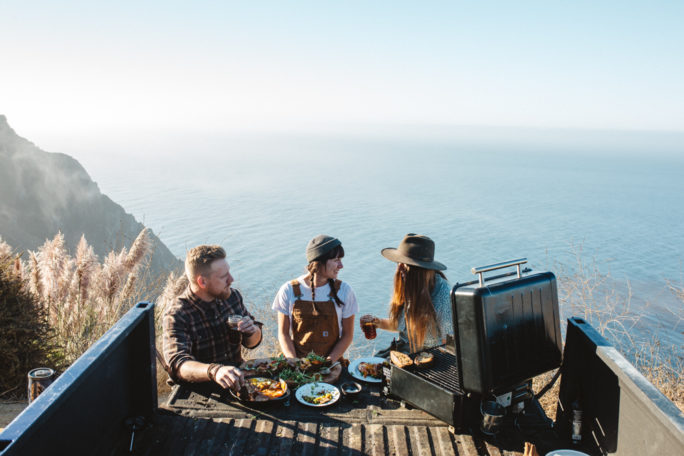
column 416, row 250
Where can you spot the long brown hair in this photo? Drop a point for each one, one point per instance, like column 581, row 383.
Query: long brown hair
column 412, row 288
column 318, row 264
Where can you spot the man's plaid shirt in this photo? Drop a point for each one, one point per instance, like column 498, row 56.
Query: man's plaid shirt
column 198, row 330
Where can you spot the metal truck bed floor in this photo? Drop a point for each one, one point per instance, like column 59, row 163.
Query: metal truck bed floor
column 204, row 421
column 186, row 435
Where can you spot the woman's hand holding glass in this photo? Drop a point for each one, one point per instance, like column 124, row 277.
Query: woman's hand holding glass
column 368, row 324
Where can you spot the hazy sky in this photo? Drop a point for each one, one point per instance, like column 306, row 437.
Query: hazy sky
column 68, row 68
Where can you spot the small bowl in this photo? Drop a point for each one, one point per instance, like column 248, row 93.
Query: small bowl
column 350, row 388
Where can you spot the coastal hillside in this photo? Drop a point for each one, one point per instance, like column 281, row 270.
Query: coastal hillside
column 42, row 193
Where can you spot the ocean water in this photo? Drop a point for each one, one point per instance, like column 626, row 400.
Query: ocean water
column 264, row 198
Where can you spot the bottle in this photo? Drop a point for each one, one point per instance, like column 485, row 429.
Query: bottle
column 576, row 423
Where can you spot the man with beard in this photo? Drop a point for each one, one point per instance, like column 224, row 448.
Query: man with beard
column 197, row 337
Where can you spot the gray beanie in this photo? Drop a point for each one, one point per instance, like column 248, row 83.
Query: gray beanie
column 319, row 246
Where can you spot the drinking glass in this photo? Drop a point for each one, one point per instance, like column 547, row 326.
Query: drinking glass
column 234, row 334
column 368, row 326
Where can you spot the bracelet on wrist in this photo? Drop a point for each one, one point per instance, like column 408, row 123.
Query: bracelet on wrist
column 211, row 371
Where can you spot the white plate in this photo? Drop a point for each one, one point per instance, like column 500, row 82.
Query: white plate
column 354, row 368
column 316, row 389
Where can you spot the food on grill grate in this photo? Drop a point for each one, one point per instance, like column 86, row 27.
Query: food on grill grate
column 424, row 359
column 400, row 359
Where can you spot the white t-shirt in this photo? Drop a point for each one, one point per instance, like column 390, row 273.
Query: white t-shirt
column 285, row 299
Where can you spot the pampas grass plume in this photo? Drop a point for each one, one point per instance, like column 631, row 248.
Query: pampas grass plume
column 141, row 247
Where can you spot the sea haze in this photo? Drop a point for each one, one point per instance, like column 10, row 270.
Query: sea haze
column 263, row 198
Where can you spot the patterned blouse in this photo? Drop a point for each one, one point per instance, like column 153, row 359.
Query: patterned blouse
column 198, row 330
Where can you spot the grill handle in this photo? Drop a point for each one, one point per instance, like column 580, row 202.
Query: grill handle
column 491, row 267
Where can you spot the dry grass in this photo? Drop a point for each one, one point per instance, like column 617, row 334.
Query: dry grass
column 592, row 294
column 589, row 293
column 548, row 401
column 27, row 340
column 83, row 298
column 79, row 297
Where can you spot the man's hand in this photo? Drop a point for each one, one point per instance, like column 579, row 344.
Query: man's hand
column 229, row 377
column 247, row 326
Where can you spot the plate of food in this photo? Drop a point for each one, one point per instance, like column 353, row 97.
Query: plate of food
column 295, row 371
column 262, row 389
column 368, row 369
column 317, row 394
column 312, row 363
column 267, row 366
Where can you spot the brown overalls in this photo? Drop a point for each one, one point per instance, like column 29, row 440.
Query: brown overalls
column 314, row 324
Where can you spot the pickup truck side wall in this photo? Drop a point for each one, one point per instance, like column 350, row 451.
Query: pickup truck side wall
column 83, row 411
column 622, row 412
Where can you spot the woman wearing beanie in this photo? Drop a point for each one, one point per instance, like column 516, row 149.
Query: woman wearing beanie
column 316, row 310
column 421, row 307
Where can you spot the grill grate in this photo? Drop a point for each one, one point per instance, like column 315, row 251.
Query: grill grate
column 444, row 372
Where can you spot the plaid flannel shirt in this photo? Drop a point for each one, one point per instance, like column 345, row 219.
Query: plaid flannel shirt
column 198, row 330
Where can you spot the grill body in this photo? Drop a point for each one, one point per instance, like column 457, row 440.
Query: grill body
column 506, row 331
column 436, row 390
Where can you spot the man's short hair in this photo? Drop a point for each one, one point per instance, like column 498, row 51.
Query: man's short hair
column 199, row 259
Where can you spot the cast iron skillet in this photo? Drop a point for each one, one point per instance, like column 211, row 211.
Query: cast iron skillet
column 275, row 400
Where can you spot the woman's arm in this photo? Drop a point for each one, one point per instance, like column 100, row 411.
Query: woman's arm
column 286, row 344
column 386, row 324
column 382, row 323
column 346, row 339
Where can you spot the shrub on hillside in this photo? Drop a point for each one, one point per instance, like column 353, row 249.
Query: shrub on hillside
column 27, row 341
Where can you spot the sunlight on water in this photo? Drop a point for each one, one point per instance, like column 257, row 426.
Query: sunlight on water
column 480, row 207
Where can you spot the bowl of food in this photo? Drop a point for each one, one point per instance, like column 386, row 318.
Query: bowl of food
column 262, row 390
column 313, row 363
column 350, row 389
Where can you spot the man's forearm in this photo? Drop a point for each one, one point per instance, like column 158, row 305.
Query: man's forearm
column 194, row 372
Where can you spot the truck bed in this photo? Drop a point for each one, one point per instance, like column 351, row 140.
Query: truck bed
column 205, row 420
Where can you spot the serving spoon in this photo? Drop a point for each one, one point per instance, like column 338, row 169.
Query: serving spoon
column 327, row 370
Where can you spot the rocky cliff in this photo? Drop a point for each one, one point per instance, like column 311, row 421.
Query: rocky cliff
column 42, row 193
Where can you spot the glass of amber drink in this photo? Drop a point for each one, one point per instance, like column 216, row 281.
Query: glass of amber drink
column 368, row 326
column 234, row 334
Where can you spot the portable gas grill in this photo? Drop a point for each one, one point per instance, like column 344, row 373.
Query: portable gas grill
column 506, row 331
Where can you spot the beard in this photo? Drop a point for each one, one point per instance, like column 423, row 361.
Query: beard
column 222, row 294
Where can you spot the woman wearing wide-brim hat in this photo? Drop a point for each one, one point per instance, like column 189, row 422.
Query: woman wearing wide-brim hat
column 316, row 310
column 420, row 309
